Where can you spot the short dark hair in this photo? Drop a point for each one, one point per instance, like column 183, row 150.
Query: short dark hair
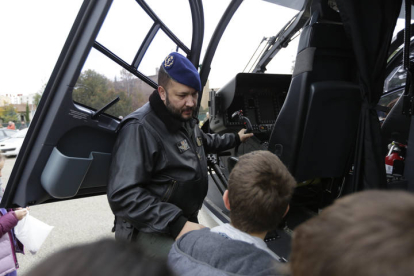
column 106, row 257
column 260, row 188
column 163, row 78
column 368, row 233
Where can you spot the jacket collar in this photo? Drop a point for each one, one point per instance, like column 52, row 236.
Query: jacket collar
column 172, row 124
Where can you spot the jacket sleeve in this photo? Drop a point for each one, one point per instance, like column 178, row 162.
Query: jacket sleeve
column 134, row 157
column 7, row 222
column 214, row 143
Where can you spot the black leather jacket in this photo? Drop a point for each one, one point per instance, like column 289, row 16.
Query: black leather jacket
column 158, row 175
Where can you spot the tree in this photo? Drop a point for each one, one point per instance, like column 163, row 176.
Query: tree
column 38, row 95
column 36, row 99
column 27, row 113
column 127, row 80
column 8, row 113
column 96, row 90
column 91, row 89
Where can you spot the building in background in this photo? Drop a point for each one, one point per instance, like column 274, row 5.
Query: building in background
column 19, row 102
column 15, row 99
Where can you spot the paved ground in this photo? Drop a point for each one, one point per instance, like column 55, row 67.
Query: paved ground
column 75, row 221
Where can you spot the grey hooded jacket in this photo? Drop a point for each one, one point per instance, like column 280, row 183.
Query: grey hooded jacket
column 205, row 253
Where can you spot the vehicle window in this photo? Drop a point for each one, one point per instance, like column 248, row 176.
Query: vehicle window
column 161, row 46
column 20, row 134
column 284, row 61
column 395, row 79
column 179, row 21
column 124, row 29
column 253, row 21
column 9, row 132
column 122, row 33
column 387, row 99
column 102, row 80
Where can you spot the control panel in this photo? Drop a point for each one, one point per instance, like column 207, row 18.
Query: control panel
column 258, row 96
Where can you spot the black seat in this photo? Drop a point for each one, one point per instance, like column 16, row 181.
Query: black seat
column 315, row 131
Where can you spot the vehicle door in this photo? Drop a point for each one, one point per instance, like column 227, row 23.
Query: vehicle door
column 107, row 69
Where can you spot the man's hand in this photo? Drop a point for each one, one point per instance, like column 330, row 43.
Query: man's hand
column 21, row 213
column 189, row 226
column 244, row 136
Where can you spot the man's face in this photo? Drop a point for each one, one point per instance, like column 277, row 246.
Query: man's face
column 180, row 100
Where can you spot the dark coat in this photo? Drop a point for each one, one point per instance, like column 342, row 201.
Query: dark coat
column 158, row 175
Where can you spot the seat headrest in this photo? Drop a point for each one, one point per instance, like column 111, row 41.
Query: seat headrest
column 325, row 11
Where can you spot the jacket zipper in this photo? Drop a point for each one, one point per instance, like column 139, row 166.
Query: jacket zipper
column 16, row 263
column 169, row 191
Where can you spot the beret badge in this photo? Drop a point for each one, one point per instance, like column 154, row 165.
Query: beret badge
column 169, row 61
column 180, row 69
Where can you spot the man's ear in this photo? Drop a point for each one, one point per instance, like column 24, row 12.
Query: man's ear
column 226, row 199
column 162, row 92
column 287, row 210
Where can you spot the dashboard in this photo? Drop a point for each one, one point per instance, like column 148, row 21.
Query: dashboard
column 259, row 96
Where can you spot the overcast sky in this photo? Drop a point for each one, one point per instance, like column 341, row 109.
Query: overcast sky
column 33, row 33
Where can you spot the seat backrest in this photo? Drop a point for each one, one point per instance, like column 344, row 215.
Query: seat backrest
column 316, row 129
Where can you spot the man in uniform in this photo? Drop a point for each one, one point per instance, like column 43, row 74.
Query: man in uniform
column 158, row 176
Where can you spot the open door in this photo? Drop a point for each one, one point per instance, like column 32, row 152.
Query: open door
column 67, row 150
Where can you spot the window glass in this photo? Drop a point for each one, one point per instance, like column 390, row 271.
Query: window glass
column 160, row 47
column 102, row 80
column 389, row 101
column 124, row 29
column 398, row 76
column 284, row 61
column 213, row 11
column 254, row 20
column 390, row 98
column 20, row 134
column 395, row 79
column 176, row 15
column 9, row 132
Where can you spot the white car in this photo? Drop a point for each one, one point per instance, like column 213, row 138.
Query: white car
column 11, row 146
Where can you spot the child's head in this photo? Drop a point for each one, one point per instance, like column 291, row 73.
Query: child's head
column 367, row 233
column 104, row 257
column 260, row 188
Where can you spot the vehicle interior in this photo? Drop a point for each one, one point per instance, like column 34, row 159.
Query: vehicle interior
column 322, row 120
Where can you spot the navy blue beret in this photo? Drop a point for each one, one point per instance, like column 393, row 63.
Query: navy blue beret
column 180, row 69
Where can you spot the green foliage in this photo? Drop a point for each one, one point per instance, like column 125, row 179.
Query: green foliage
column 96, row 90
column 36, row 99
column 38, row 95
column 8, row 113
column 27, row 113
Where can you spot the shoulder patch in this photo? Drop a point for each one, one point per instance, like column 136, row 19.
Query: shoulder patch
column 183, row 146
column 199, row 141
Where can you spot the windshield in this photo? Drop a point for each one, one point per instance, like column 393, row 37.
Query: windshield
column 20, row 134
column 253, row 22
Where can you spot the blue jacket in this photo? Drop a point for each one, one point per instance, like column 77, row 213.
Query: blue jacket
column 203, row 253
